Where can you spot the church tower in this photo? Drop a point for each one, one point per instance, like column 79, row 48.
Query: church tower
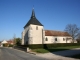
column 33, row 31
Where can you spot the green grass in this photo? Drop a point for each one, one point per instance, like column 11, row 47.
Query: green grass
column 54, row 49
column 40, row 50
column 47, row 50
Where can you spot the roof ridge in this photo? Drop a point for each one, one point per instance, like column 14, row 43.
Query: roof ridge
column 55, row 30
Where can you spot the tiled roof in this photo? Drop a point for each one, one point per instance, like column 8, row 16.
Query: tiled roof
column 55, row 33
column 33, row 20
column 10, row 41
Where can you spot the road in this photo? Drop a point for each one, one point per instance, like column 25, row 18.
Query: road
column 12, row 54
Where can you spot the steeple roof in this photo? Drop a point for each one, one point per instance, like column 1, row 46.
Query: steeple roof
column 33, row 20
column 33, row 13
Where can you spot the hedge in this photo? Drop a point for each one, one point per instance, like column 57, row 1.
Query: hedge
column 47, row 46
column 10, row 45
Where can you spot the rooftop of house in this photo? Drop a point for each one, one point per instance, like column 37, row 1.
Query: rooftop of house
column 56, row 33
column 10, row 41
column 33, row 20
column 4, row 41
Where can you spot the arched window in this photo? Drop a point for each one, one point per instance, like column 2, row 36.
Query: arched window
column 63, row 39
column 46, row 39
column 55, row 39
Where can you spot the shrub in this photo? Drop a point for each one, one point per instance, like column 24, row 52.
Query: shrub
column 5, row 45
column 10, row 45
column 35, row 46
column 47, row 46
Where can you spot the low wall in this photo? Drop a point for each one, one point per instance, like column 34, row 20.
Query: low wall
column 20, row 48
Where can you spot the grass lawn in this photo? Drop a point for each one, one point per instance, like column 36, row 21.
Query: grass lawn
column 54, row 49
column 48, row 50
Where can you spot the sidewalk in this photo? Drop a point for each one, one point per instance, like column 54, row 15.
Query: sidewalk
column 61, row 55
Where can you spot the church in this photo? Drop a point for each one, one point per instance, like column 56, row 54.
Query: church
column 34, row 33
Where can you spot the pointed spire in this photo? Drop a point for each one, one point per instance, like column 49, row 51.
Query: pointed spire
column 33, row 13
column 33, row 20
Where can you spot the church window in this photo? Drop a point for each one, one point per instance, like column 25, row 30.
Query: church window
column 46, row 39
column 55, row 39
column 63, row 39
column 36, row 27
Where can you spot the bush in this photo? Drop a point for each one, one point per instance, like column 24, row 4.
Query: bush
column 5, row 45
column 47, row 46
column 10, row 45
column 36, row 46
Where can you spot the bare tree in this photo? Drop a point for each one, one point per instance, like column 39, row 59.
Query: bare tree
column 73, row 30
column 14, row 39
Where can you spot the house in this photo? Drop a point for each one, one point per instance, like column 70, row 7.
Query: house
column 34, row 33
column 11, row 42
column 4, row 42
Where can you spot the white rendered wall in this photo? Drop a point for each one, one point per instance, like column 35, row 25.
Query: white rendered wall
column 25, row 35
column 51, row 39
column 35, row 36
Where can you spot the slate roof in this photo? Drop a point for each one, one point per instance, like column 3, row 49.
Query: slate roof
column 56, row 33
column 33, row 20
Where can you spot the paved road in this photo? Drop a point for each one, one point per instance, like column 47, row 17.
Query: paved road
column 11, row 54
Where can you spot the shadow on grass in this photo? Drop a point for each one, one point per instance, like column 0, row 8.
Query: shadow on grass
column 64, row 52
column 56, row 49
column 76, row 56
